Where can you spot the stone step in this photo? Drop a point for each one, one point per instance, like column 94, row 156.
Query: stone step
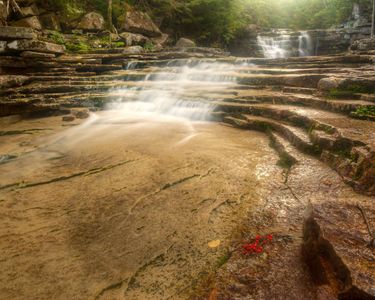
column 368, row 97
column 297, row 136
column 299, row 90
column 63, row 75
column 347, row 145
column 273, row 96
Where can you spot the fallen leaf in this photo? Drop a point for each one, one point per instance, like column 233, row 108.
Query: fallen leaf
column 214, row 244
column 213, row 294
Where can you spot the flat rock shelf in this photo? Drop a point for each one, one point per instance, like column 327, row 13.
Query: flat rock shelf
column 141, row 176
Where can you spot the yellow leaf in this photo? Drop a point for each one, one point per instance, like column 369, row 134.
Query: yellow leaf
column 214, row 244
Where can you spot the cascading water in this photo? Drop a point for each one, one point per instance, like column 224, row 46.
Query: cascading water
column 277, row 46
column 173, row 93
column 168, row 92
column 305, row 44
column 285, row 43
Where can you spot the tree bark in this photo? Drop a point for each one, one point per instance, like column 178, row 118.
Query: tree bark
column 373, row 19
column 110, row 22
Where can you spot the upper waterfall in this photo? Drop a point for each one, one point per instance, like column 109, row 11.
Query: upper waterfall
column 283, row 43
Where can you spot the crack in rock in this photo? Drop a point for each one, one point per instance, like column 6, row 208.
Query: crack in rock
column 22, row 185
column 168, row 186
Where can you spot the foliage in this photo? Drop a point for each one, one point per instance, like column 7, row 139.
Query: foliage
column 77, row 46
column 119, row 44
column 365, row 111
column 149, row 46
column 219, row 21
column 349, row 91
column 56, row 37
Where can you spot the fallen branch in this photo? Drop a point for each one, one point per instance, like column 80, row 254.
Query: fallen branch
column 372, row 236
column 14, row 5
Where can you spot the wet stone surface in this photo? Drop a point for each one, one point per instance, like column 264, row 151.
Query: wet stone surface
column 123, row 209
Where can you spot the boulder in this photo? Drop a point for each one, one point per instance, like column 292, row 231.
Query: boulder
column 17, row 33
column 50, row 21
column 363, row 45
column 134, row 39
column 327, row 84
column 29, row 11
column 351, row 84
column 9, row 81
column 35, row 46
column 30, row 22
column 140, row 22
column 133, row 50
column 37, row 54
column 185, row 43
column 92, row 22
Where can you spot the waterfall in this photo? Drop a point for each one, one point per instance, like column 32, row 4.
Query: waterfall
column 168, row 92
column 277, row 46
column 305, row 44
column 285, row 43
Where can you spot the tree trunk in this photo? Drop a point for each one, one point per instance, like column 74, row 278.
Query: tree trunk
column 373, row 19
column 110, row 22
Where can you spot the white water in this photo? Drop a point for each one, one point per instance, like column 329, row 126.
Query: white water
column 282, row 44
column 305, row 44
column 170, row 97
column 275, row 47
column 171, row 93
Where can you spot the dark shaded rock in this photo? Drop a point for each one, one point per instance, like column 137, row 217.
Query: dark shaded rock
column 50, row 21
column 30, row 22
column 8, row 81
column 245, row 43
column 29, row 11
column 140, row 22
column 17, row 33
